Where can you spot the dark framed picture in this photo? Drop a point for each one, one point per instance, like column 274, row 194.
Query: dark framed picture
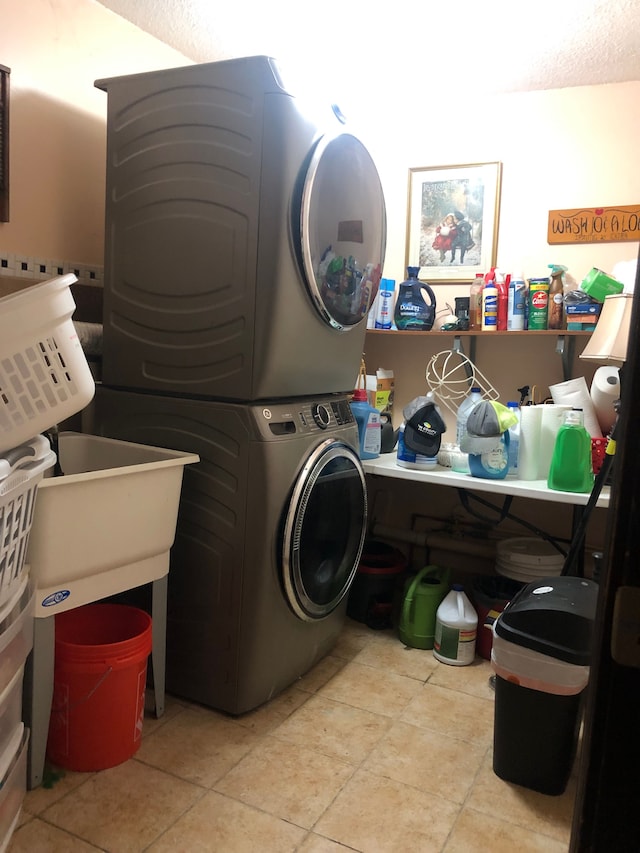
column 452, row 221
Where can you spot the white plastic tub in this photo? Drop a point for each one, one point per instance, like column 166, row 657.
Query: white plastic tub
column 108, row 524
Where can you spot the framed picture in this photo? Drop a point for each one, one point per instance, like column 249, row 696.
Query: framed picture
column 452, row 221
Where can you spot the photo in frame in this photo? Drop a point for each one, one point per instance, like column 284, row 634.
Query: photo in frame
column 452, row 221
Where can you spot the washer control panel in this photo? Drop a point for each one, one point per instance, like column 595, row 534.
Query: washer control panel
column 306, row 415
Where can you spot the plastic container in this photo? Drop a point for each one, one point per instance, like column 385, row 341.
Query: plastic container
column 490, row 595
column 489, row 307
column 372, row 593
column 475, row 303
column 492, row 464
column 527, row 559
column 556, row 299
column 474, row 396
column 456, row 629
column 600, row 285
column 44, row 374
column 369, row 425
column 11, row 707
column 123, row 498
column 538, row 315
column 13, row 783
column 99, row 683
column 517, row 300
column 541, row 655
column 502, row 286
column 384, row 304
column 571, row 467
column 422, row 597
column 16, row 632
column 514, row 441
column 21, row 469
column 407, row 458
column 412, row 311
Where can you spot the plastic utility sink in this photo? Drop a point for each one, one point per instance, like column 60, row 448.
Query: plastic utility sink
column 108, row 524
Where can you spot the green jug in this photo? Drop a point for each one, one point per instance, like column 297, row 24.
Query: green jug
column 422, row 596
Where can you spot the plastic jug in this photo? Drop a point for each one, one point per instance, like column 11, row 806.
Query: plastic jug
column 412, row 311
column 422, row 597
column 571, row 467
column 456, row 629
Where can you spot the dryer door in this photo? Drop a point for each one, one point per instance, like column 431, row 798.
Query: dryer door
column 342, row 230
column 324, row 529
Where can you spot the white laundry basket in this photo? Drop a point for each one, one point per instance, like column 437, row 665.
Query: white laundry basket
column 44, row 375
column 21, row 470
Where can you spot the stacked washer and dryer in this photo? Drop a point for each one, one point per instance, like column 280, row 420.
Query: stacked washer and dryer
column 244, row 245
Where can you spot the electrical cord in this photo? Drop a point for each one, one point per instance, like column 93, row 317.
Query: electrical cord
column 504, row 513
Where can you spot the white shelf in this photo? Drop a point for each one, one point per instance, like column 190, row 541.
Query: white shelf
column 385, row 466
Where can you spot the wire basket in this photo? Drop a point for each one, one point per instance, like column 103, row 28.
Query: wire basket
column 20, row 472
column 44, row 375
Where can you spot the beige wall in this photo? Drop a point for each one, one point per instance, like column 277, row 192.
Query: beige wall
column 559, row 149
column 56, row 49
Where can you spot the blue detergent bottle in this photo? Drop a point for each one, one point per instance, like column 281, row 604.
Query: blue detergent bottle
column 369, row 425
column 492, row 464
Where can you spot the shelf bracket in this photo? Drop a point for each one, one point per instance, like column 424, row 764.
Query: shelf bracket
column 565, row 347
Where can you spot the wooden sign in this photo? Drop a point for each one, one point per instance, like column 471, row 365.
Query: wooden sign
column 595, row 225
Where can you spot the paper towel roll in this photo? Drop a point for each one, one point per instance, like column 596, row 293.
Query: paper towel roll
column 575, row 393
column 552, row 420
column 530, row 423
column 605, row 390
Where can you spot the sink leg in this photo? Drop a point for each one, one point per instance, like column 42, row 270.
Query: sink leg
column 159, row 641
column 38, row 695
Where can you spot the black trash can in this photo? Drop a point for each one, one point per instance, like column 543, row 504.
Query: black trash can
column 541, row 656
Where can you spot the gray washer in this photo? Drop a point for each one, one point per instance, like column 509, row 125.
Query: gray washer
column 270, row 529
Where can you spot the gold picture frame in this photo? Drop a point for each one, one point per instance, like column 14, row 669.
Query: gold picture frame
column 446, row 248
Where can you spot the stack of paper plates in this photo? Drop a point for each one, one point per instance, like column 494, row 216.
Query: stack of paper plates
column 528, row 559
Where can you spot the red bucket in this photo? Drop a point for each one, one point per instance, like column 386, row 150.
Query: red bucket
column 99, row 683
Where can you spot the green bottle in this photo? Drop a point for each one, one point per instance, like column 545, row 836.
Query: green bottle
column 571, row 469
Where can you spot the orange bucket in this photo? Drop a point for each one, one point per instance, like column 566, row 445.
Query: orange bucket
column 99, row 683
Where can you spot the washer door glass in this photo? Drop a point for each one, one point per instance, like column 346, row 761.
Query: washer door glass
column 324, row 530
column 342, row 230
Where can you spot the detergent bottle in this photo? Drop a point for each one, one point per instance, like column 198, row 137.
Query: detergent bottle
column 571, row 466
column 412, row 311
column 456, row 629
column 369, row 425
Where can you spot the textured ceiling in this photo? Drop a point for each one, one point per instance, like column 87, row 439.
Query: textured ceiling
column 425, row 50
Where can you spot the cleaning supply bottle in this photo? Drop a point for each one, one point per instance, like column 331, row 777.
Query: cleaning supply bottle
column 514, row 441
column 502, row 286
column 556, row 297
column 456, row 629
column 369, row 425
column 474, row 396
column 492, row 464
column 475, row 303
column 412, row 312
column 517, row 301
column 490, row 307
column 384, row 311
column 571, row 467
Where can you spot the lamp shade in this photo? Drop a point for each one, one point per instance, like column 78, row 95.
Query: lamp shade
column 608, row 342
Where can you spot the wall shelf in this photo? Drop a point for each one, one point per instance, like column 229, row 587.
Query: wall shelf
column 565, row 340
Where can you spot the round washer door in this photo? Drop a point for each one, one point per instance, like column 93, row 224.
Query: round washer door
column 342, row 230
column 324, row 530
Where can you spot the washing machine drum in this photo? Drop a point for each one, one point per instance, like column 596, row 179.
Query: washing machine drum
column 324, row 529
column 340, row 229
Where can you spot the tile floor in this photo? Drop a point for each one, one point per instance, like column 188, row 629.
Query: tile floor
column 379, row 748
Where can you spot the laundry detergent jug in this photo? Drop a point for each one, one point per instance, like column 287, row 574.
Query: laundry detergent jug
column 422, row 597
column 412, row 311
